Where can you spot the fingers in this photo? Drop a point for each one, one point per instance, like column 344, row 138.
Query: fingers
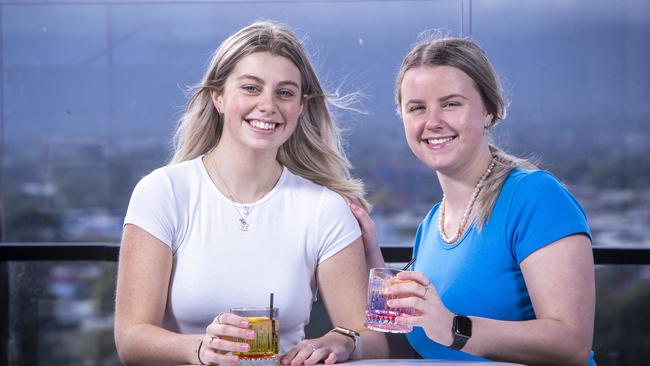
column 231, row 319
column 225, row 334
column 309, row 352
column 298, row 354
column 368, row 230
column 211, row 356
column 225, row 345
column 418, row 277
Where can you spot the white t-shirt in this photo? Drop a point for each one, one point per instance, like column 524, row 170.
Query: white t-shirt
column 216, row 266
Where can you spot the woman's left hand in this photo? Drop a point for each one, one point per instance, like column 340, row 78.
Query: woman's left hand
column 430, row 313
column 330, row 348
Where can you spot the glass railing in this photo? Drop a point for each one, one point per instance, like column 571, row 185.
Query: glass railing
column 58, row 301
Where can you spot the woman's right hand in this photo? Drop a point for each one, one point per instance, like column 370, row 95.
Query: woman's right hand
column 217, row 339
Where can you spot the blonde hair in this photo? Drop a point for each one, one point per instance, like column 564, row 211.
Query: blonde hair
column 468, row 57
column 313, row 151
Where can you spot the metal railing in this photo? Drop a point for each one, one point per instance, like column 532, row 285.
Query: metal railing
column 110, row 251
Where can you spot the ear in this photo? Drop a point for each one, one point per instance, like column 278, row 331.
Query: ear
column 488, row 121
column 303, row 102
column 217, row 101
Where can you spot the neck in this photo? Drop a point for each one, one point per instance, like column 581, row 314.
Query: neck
column 458, row 186
column 246, row 177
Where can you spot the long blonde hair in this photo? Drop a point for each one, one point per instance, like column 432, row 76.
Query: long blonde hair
column 468, row 57
column 313, row 151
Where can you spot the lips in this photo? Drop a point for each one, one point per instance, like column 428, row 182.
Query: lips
column 438, row 142
column 262, row 125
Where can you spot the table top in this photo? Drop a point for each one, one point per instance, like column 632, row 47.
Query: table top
column 396, row 362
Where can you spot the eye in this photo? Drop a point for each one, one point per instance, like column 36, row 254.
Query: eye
column 251, row 89
column 450, row 104
column 416, row 107
column 286, row 93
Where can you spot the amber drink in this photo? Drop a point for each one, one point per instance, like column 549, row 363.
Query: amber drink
column 264, row 348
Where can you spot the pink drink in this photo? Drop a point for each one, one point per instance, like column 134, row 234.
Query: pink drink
column 379, row 316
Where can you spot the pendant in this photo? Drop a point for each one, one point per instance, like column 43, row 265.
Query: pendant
column 243, row 225
column 247, row 210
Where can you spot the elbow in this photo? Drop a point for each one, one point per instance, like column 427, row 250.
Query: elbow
column 125, row 353
column 579, row 355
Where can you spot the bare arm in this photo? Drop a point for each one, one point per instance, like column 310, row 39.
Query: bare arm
column 374, row 258
column 142, row 284
column 143, row 279
column 342, row 281
column 560, row 281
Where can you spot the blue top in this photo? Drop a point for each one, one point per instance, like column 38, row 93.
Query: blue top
column 479, row 275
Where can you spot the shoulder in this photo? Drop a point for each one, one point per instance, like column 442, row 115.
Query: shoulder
column 528, row 178
column 173, row 176
column 535, row 190
column 307, row 191
column 532, row 183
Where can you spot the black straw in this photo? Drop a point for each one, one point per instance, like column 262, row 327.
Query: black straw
column 406, row 267
column 274, row 340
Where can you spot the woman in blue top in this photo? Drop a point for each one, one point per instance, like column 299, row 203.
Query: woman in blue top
column 504, row 267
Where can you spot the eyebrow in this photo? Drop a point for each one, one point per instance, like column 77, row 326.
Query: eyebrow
column 451, row 96
column 261, row 81
column 440, row 100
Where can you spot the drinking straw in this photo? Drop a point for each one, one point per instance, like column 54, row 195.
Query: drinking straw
column 272, row 320
column 408, row 264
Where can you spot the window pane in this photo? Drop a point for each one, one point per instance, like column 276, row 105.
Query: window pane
column 579, row 82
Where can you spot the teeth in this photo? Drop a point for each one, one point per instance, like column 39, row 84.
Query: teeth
column 263, row 125
column 439, row 141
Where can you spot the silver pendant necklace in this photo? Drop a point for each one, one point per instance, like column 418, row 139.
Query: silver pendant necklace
column 246, row 209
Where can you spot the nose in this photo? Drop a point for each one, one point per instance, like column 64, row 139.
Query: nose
column 266, row 103
column 434, row 121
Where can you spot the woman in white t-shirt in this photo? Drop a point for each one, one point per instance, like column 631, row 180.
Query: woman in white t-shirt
column 252, row 203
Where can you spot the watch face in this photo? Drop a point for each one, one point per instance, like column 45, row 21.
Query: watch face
column 463, row 326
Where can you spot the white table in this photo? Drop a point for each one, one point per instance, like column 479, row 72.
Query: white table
column 396, row 362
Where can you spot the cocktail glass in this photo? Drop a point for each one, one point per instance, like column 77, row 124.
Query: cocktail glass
column 380, row 316
column 264, row 348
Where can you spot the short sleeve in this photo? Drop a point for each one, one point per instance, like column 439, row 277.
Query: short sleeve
column 337, row 227
column 152, row 207
column 542, row 211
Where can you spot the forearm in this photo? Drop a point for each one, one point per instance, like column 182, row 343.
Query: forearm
column 146, row 344
column 374, row 258
column 533, row 342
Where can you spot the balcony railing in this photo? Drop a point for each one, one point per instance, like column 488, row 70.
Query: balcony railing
column 109, row 252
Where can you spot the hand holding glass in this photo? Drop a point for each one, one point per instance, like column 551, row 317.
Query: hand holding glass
column 380, row 316
column 264, row 348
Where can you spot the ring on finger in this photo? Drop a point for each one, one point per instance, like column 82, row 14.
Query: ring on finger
column 426, row 290
column 313, row 347
column 218, row 318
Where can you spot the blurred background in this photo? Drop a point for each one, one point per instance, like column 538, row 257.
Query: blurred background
column 90, row 92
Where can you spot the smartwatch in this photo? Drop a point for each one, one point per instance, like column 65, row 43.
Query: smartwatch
column 356, row 337
column 461, row 331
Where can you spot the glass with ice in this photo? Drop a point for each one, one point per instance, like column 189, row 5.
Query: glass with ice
column 380, row 316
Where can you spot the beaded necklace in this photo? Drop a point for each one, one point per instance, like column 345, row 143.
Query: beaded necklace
column 468, row 209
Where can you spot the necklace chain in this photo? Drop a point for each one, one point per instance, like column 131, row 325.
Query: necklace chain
column 468, row 209
column 247, row 209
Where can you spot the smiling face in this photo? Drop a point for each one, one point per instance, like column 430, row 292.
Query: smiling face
column 444, row 118
column 261, row 102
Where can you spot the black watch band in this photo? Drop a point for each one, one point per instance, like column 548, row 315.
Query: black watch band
column 461, row 331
